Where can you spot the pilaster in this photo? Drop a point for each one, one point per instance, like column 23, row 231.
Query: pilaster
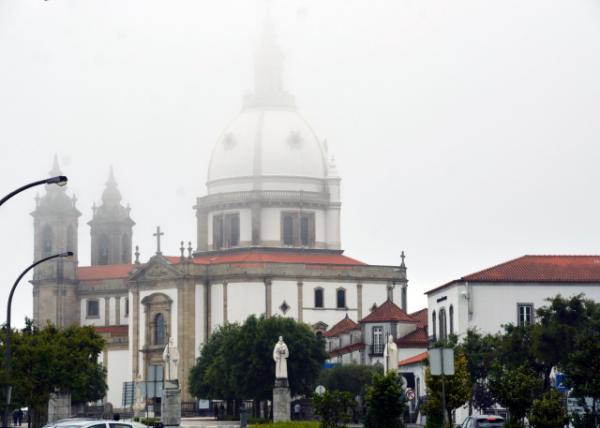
column 300, row 301
column 268, row 300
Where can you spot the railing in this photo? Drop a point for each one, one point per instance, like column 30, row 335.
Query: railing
column 260, row 195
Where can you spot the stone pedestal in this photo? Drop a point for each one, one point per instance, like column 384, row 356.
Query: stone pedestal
column 171, row 407
column 59, row 407
column 282, row 400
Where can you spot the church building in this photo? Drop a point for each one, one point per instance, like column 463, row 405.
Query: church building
column 268, row 242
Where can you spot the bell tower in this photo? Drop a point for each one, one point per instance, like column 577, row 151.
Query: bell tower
column 111, row 228
column 55, row 224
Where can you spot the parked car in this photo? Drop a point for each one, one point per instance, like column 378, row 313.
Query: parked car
column 483, row 421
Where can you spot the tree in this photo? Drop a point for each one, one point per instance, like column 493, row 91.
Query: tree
column 582, row 367
column 237, row 361
column 212, row 375
column 50, row 358
column 385, row 401
column 548, row 411
column 352, row 378
column 554, row 336
column 480, row 351
column 457, row 386
column 515, row 389
column 334, row 408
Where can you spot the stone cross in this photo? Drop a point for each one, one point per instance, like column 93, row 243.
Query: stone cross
column 158, row 234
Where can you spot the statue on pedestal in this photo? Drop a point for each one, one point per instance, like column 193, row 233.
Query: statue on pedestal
column 280, row 355
column 390, row 356
column 171, row 359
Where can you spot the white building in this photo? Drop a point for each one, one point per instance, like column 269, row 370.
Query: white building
column 509, row 293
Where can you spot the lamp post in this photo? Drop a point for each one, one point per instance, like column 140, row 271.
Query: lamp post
column 59, row 180
column 7, row 350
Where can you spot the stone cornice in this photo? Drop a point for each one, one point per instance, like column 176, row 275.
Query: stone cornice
column 279, row 198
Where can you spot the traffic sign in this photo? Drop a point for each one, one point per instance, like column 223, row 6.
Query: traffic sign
column 410, row 394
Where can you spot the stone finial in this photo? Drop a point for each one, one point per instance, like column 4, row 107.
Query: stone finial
column 137, row 255
column 182, row 249
column 402, row 256
column 190, row 255
column 55, row 168
column 111, row 194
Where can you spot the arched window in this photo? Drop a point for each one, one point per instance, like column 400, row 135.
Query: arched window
column 103, row 250
column 125, row 253
column 451, row 316
column 46, row 241
column 443, row 324
column 341, row 298
column 159, row 329
column 70, row 238
column 319, row 335
column 318, row 297
column 433, row 322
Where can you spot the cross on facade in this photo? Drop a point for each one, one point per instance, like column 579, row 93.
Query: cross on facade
column 158, row 234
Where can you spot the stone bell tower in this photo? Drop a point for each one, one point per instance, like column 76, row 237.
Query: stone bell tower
column 55, row 223
column 111, row 228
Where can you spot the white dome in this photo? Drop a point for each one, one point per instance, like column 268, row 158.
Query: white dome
column 267, row 142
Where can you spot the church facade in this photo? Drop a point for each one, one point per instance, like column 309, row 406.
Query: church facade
column 268, row 242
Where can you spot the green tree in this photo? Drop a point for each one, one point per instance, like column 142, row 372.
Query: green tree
column 515, row 388
column 548, row 411
column 582, row 366
column 50, row 358
column 352, row 378
column 385, row 402
column 212, row 375
column 457, row 386
column 480, row 351
column 334, row 408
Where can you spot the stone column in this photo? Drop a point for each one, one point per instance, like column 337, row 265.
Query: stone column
column 359, row 299
column 186, row 333
column 134, row 325
column 118, row 310
column 256, row 213
column 224, row 302
column 300, row 300
column 268, row 309
column 207, row 310
column 106, row 310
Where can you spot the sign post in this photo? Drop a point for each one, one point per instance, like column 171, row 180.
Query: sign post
column 441, row 363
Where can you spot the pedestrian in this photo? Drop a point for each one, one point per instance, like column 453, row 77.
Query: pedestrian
column 297, row 410
column 222, row 411
column 15, row 416
column 20, row 417
column 216, row 411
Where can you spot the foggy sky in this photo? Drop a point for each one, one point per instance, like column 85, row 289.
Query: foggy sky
column 466, row 133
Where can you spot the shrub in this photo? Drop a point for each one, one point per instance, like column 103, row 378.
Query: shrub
column 385, row 402
column 334, row 408
column 548, row 411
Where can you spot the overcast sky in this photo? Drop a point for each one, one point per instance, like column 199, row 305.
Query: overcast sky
column 466, row 133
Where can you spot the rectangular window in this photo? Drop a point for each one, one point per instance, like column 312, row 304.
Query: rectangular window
column 92, row 309
column 377, row 340
column 127, row 307
column 155, row 380
column 226, row 230
column 524, row 313
column 318, row 298
column 298, row 229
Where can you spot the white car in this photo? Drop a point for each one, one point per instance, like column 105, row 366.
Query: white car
column 93, row 423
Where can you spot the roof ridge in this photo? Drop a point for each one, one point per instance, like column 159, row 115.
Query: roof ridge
column 463, row 278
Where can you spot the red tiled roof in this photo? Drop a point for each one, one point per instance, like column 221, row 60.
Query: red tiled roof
column 90, row 273
column 413, row 360
column 388, row 311
column 100, row 272
column 117, row 330
column 565, row 269
column 344, row 326
column 416, row 339
column 347, row 349
column 421, row 317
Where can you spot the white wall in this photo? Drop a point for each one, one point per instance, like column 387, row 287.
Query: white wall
column 374, row 292
column 216, row 306
column 288, row 291
column 100, row 321
column 117, row 374
column 245, row 299
column 270, row 224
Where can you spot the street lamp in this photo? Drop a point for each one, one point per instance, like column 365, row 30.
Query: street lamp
column 59, row 180
column 7, row 353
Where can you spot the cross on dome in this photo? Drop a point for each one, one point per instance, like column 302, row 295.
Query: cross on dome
column 158, row 234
